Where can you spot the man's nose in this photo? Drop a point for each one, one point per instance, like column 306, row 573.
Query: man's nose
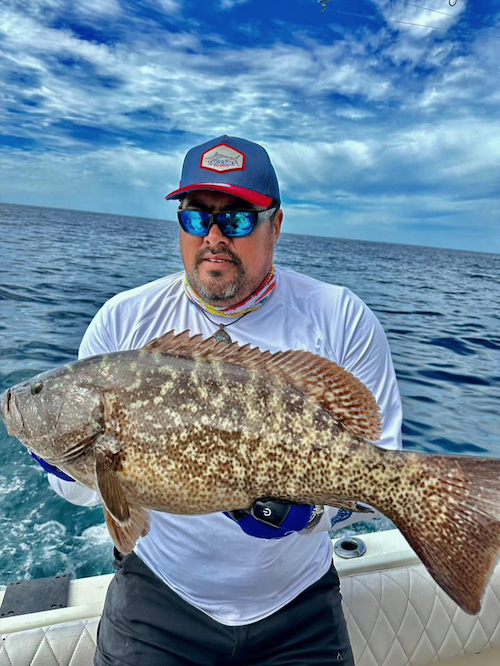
column 215, row 236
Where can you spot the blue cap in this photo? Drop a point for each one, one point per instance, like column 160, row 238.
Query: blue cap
column 232, row 165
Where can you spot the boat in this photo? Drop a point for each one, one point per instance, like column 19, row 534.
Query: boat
column 396, row 614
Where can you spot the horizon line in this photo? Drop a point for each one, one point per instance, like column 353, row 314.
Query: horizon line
column 290, row 233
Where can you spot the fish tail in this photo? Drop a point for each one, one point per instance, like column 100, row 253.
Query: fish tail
column 448, row 509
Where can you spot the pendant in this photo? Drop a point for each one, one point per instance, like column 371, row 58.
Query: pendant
column 222, row 336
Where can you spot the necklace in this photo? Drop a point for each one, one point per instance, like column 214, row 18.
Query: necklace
column 221, row 335
column 251, row 303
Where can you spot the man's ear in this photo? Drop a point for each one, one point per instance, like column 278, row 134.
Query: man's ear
column 277, row 222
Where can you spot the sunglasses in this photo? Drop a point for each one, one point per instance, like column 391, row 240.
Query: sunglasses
column 232, row 223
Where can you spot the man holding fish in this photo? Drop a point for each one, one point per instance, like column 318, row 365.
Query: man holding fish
column 261, row 586
column 219, row 464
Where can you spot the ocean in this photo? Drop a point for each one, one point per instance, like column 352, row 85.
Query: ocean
column 439, row 308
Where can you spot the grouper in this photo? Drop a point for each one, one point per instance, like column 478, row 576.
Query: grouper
column 192, row 426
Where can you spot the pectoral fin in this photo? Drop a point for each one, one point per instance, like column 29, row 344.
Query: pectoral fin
column 125, row 537
column 352, row 505
column 109, row 485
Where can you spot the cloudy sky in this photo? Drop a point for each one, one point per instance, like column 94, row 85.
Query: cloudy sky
column 379, row 128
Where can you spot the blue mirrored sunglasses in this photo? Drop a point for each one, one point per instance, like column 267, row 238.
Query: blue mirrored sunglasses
column 232, row 223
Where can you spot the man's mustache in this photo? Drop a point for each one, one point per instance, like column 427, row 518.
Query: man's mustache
column 200, row 256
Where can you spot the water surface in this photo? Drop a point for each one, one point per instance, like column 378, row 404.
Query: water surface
column 439, row 309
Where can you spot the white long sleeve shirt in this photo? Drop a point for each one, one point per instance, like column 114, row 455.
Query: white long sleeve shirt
column 208, row 560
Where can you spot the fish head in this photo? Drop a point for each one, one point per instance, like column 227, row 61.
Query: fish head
column 53, row 412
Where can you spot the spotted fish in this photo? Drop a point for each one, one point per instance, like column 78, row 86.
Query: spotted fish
column 190, row 426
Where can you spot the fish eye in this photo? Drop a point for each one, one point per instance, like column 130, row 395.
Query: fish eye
column 36, row 388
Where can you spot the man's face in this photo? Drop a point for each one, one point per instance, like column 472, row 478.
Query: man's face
column 222, row 270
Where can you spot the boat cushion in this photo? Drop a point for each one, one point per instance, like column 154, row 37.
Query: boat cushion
column 386, row 627
column 400, row 617
column 65, row 644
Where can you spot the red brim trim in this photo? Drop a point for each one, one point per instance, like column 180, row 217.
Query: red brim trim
column 235, row 190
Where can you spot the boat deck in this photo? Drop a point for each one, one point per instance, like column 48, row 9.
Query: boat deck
column 396, row 615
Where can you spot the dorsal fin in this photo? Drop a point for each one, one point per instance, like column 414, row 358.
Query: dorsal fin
column 336, row 389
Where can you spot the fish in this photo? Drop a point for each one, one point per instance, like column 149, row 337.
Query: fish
column 221, row 159
column 192, row 426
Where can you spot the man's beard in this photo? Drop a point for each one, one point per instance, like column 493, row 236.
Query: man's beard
column 211, row 291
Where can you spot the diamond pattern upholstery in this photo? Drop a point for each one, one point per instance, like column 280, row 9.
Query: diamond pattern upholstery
column 65, row 644
column 400, row 617
column 396, row 617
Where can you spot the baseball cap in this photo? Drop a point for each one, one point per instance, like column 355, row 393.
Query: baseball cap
column 232, row 165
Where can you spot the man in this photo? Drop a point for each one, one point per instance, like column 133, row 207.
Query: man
column 249, row 587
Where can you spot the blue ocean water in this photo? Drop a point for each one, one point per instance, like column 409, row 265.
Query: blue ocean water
column 439, row 308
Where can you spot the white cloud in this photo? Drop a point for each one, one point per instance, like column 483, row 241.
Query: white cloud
column 352, row 123
column 327, row 166
column 101, row 8
column 168, row 6
column 162, row 73
column 124, row 179
column 209, row 89
column 229, row 4
column 409, row 18
column 53, row 8
column 466, row 81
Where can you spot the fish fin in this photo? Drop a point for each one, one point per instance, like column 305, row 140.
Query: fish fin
column 125, row 536
column 344, row 396
column 110, row 487
column 450, row 517
column 350, row 505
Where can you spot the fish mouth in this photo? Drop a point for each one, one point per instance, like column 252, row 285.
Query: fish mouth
column 11, row 413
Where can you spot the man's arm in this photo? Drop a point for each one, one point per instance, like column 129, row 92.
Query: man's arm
column 74, row 492
column 365, row 353
column 334, row 518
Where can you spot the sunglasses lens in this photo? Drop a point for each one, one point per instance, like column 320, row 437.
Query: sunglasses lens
column 194, row 222
column 233, row 223
column 237, row 223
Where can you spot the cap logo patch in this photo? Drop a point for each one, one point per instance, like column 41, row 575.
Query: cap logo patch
column 223, row 158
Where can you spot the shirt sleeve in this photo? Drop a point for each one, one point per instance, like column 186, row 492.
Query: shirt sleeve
column 74, row 492
column 365, row 352
column 334, row 518
column 98, row 338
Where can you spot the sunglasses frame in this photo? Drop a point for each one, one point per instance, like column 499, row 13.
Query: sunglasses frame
column 262, row 216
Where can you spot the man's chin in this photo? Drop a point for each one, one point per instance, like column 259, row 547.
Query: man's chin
column 219, row 287
column 217, row 295
column 218, row 291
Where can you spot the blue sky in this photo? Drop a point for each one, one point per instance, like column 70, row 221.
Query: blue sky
column 378, row 129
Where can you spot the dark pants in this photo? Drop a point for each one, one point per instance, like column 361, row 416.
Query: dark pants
column 145, row 623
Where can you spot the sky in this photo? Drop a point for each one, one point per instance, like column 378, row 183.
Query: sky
column 379, row 129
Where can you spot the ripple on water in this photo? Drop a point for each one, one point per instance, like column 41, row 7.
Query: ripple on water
column 489, row 343
column 422, row 398
column 399, row 331
column 458, row 448
column 453, row 377
column 454, row 344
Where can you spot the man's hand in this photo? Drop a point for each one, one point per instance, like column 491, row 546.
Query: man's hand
column 273, row 519
column 51, row 469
